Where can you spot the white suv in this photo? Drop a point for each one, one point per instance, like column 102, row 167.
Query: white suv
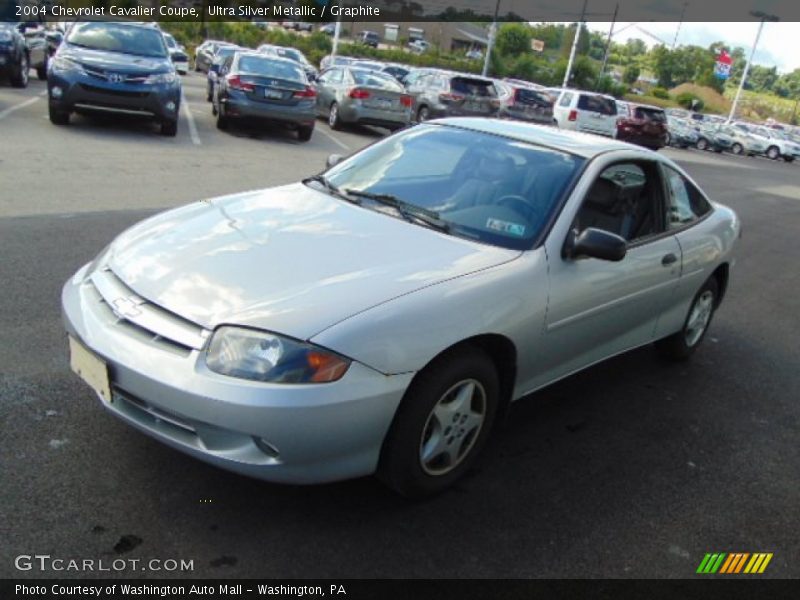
column 586, row 111
column 779, row 144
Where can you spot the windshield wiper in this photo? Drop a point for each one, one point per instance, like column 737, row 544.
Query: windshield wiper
column 331, row 188
column 410, row 212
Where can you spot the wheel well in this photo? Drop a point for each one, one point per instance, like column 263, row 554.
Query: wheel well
column 721, row 275
column 503, row 355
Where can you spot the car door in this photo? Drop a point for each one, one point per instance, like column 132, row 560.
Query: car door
column 327, row 92
column 598, row 308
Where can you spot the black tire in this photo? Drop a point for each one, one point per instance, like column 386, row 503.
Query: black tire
column 667, row 139
column 41, row 70
column 702, row 144
column 169, row 128
column 681, row 345
column 773, row 153
column 423, row 114
column 788, row 158
column 213, row 109
column 19, row 78
column 334, row 120
column 401, row 465
column 58, row 117
column 304, row 133
column 222, row 120
column 737, row 149
column 209, row 93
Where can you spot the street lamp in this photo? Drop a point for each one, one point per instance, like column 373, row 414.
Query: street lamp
column 490, row 44
column 758, row 14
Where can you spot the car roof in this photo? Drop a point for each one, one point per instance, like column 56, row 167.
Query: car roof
column 580, row 144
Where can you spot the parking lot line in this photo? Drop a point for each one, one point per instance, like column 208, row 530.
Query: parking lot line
column 332, row 138
column 28, row 102
column 190, row 120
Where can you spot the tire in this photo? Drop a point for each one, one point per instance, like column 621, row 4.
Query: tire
column 222, row 120
column 41, row 71
column 169, row 128
column 334, row 120
column 667, row 139
column 304, row 133
column 423, row 114
column 737, row 149
column 702, row 144
column 788, row 158
column 209, row 93
column 773, row 153
column 413, row 462
column 213, row 109
column 58, row 117
column 20, row 78
column 681, row 345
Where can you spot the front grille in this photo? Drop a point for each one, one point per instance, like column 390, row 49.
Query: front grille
column 112, row 92
column 122, row 307
column 98, row 73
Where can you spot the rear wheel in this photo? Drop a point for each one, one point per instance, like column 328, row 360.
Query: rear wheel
column 304, row 133
column 19, row 78
column 334, row 120
column 58, row 117
column 702, row 144
column 209, row 93
column 681, row 345
column 441, row 425
column 737, row 149
column 773, row 152
column 222, row 120
column 423, row 114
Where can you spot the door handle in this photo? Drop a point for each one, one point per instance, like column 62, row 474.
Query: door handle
column 669, row 259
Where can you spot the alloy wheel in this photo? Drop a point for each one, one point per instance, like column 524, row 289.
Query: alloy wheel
column 452, row 427
column 699, row 318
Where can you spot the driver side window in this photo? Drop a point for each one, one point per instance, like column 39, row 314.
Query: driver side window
column 624, row 200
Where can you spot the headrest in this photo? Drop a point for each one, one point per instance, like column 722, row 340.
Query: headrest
column 603, row 193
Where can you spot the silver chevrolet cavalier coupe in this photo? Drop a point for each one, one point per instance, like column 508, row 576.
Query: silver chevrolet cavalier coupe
column 376, row 318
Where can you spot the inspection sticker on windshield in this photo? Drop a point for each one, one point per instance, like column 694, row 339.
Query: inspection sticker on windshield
column 506, row 227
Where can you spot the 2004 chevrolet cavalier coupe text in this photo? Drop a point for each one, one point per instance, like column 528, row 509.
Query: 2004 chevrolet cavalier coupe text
column 375, row 319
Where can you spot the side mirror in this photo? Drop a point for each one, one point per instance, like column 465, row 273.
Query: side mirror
column 596, row 243
column 333, row 160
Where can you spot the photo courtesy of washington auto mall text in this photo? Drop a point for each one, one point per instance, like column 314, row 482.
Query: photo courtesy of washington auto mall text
column 399, row 299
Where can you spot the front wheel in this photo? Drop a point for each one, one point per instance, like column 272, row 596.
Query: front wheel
column 334, row 120
column 441, row 425
column 169, row 128
column 41, row 70
column 702, row 144
column 58, row 117
column 737, row 149
column 222, row 120
column 788, row 158
column 19, row 79
column 681, row 345
column 423, row 114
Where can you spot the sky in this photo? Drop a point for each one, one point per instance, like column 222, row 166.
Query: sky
column 779, row 44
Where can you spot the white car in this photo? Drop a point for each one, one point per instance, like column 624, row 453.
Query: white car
column 780, row 145
column 588, row 112
column 419, row 46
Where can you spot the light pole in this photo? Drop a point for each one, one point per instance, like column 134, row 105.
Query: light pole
column 764, row 18
column 490, row 45
column 578, row 30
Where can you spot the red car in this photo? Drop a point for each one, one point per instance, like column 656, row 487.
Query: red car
column 643, row 125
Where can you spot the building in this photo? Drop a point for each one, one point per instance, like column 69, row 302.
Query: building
column 444, row 35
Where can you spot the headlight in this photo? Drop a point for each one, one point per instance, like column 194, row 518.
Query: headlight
column 167, row 77
column 62, row 63
column 262, row 356
column 5, row 36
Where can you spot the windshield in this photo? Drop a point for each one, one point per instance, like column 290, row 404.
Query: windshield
column 170, row 41
column 290, row 54
column 484, row 187
column 117, row 37
column 257, row 65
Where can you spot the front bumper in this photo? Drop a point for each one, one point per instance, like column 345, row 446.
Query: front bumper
column 282, row 433
column 80, row 91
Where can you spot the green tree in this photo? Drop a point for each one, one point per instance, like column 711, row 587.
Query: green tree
column 513, row 39
column 631, row 74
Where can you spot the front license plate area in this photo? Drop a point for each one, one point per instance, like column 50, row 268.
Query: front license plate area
column 92, row 369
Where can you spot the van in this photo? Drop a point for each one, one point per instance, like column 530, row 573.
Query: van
column 586, row 111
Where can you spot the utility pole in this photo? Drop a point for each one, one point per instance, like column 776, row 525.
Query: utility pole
column 578, row 30
column 337, row 30
column 680, row 22
column 608, row 45
column 492, row 35
column 764, row 17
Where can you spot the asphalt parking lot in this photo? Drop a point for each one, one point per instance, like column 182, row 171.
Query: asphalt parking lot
column 635, row 468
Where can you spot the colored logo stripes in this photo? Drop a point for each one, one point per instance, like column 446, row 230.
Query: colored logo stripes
column 734, row 562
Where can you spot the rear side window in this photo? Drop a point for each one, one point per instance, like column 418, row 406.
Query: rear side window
column 651, row 114
column 527, row 96
column 598, row 104
column 376, row 80
column 565, row 99
column 685, row 202
column 472, row 87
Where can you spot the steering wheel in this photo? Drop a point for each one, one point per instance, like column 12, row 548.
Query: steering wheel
column 520, row 205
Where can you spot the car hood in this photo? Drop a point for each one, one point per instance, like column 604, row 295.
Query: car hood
column 291, row 260
column 113, row 61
